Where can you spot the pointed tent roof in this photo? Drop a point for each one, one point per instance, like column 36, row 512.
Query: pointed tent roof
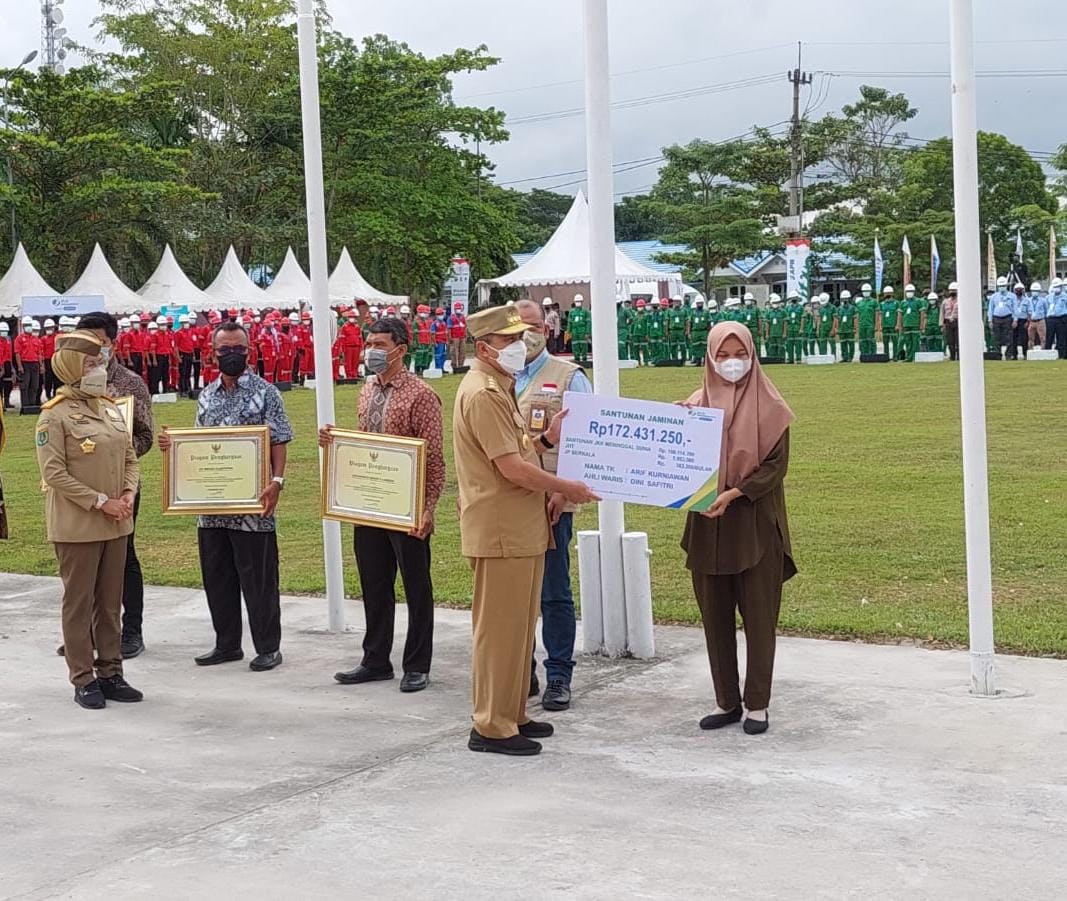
column 100, row 278
column 564, row 260
column 233, row 288
column 169, row 286
column 21, row 280
column 290, row 287
column 346, row 285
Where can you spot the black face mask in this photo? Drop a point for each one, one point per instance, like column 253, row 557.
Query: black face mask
column 233, row 361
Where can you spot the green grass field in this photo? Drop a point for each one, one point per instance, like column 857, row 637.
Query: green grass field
column 875, row 499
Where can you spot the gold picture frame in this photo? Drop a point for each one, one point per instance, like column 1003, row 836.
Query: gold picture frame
column 125, row 406
column 369, row 479
column 216, row 471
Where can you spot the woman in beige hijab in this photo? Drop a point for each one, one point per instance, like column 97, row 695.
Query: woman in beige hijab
column 738, row 551
column 90, row 474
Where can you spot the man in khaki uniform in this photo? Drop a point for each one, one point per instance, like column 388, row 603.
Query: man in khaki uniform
column 504, row 530
column 90, row 474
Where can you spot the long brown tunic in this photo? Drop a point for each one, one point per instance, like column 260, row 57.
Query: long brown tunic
column 737, row 540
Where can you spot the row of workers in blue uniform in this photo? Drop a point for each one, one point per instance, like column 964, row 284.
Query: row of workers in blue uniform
column 1032, row 307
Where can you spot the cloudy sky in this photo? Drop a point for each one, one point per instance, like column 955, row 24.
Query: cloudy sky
column 693, row 68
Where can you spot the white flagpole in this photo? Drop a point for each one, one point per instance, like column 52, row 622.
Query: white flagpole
column 972, row 346
column 320, row 300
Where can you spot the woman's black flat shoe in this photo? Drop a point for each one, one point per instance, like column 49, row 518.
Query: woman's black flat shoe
column 719, row 720
column 756, row 727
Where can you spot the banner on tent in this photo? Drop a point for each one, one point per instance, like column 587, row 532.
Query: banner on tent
column 57, row 305
column 174, row 311
column 797, row 251
column 458, row 285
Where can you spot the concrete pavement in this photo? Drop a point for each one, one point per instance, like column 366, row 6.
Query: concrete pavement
column 879, row 777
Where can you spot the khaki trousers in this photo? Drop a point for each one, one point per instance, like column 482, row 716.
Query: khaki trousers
column 757, row 594
column 93, row 573
column 459, row 351
column 507, row 599
column 1037, row 333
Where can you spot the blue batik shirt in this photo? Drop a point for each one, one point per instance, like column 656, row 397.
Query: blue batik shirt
column 1001, row 304
column 1021, row 308
column 1038, row 307
column 1058, row 303
column 253, row 401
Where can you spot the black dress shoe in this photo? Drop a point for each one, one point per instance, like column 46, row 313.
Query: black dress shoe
column 534, row 729
column 90, row 696
column 535, row 687
column 264, row 662
column 62, row 650
column 755, row 727
column 719, row 720
column 363, row 674
column 217, row 656
column 115, row 688
column 132, row 646
column 516, row 746
column 557, row 696
column 414, row 682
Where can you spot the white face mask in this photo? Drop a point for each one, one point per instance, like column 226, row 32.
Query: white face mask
column 733, row 369
column 94, row 382
column 513, row 357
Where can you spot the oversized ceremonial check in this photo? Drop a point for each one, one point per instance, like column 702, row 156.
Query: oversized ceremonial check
column 221, row 471
column 642, row 452
column 371, row 479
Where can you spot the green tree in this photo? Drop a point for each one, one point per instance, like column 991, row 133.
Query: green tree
column 715, row 215
column 637, row 220
column 84, row 173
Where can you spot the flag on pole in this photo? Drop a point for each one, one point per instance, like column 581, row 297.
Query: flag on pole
column 991, row 263
column 935, row 263
column 879, row 267
column 1053, row 252
column 1019, row 244
column 906, row 250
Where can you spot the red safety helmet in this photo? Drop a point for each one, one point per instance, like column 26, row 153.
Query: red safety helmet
column 664, row 302
column 458, row 306
column 640, row 304
column 305, row 315
column 233, row 311
column 440, row 311
column 423, row 308
column 214, row 318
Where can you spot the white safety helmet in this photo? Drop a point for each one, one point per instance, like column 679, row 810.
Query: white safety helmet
column 846, row 295
column 793, row 295
column 3, row 328
column 189, row 317
column 909, row 289
column 733, row 301
column 865, row 288
column 824, row 297
column 547, row 302
column 36, row 326
column 1036, row 286
column 578, row 300
column 1002, row 282
column 1056, row 283
column 749, row 296
column 161, row 320
column 49, row 323
column 405, row 309
column 294, row 318
column 953, row 288
column 124, row 322
column 256, row 318
column 932, row 295
column 888, row 289
column 27, row 320
column 152, row 326
column 713, row 304
column 676, row 298
column 775, row 298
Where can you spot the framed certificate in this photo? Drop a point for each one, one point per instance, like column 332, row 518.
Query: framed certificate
column 374, row 480
column 125, row 405
column 220, row 471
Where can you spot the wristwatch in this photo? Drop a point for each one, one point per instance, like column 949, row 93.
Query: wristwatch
column 279, row 481
column 101, row 499
column 545, row 443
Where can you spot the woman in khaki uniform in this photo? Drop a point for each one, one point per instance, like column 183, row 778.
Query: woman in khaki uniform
column 739, row 552
column 90, row 473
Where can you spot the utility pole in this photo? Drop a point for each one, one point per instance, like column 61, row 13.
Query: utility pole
column 797, row 78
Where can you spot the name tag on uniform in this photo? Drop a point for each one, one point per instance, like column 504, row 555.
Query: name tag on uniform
column 537, row 418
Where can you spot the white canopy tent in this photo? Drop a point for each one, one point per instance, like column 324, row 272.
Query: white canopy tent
column 347, row 285
column 99, row 278
column 233, row 288
column 169, row 286
column 291, row 287
column 21, row 280
column 564, row 260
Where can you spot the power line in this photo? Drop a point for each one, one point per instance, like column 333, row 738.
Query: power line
column 997, row 73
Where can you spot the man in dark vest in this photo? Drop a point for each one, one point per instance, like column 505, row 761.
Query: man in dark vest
column 539, row 391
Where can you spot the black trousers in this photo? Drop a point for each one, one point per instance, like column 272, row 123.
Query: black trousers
column 236, row 563
column 185, row 372
column 952, row 338
column 196, row 372
column 379, row 553
column 1021, row 338
column 1003, row 335
column 137, row 364
column 1056, row 334
column 50, row 383
column 133, row 581
column 7, row 384
column 30, row 385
